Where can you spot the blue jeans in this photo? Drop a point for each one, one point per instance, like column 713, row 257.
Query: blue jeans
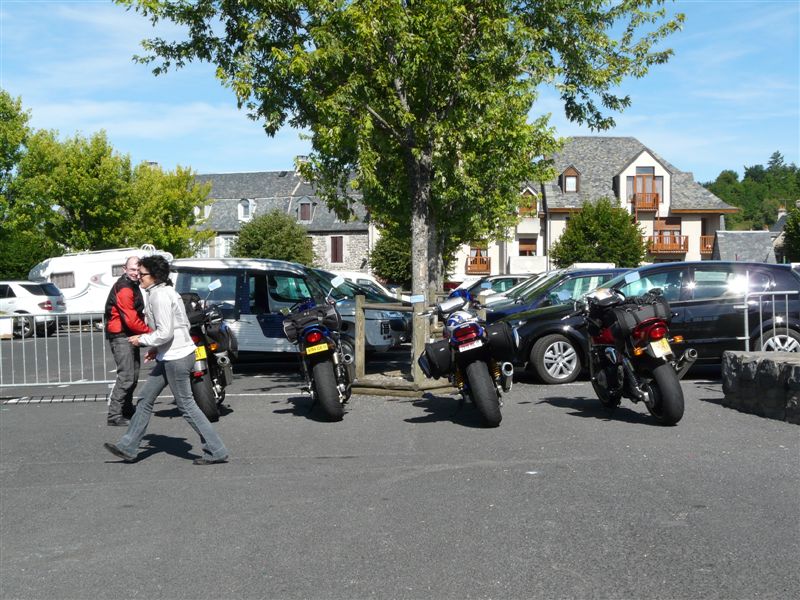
column 176, row 374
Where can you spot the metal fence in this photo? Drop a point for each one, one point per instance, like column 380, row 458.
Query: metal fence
column 47, row 349
column 778, row 315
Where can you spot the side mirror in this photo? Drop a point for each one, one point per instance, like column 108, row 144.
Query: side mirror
column 214, row 285
column 284, row 311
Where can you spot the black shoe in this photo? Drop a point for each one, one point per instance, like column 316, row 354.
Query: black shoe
column 209, row 461
column 118, row 422
column 116, row 451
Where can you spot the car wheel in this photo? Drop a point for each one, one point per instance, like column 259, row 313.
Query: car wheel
column 779, row 341
column 555, row 359
column 24, row 327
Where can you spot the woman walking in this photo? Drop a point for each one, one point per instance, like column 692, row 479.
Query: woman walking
column 172, row 347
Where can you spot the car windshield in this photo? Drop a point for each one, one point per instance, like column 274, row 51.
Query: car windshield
column 523, row 286
column 348, row 289
column 540, row 286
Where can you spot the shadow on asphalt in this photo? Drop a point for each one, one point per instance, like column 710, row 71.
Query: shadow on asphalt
column 590, row 408
column 447, row 408
column 156, row 444
column 301, row 407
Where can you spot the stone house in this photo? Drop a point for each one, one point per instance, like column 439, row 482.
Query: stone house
column 679, row 217
column 236, row 198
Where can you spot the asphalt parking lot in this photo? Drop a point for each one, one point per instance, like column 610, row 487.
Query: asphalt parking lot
column 402, row 499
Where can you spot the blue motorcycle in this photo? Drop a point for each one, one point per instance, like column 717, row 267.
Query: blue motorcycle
column 327, row 369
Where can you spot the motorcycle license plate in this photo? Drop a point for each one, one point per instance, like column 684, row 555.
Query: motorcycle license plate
column 317, row 348
column 660, row 348
column 470, row 346
column 200, row 353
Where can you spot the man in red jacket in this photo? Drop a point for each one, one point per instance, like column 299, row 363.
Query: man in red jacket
column 124, row 317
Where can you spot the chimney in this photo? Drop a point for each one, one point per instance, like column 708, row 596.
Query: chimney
column 300, row 160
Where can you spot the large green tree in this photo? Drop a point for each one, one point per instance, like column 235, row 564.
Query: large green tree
column 421, row 106
column 600, row 232
column 390, row 258
column 274, row 235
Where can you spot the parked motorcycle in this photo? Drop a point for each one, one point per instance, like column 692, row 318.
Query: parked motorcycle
column 630, row 352
column 215, row 346
column 474, row 357
column 328, row 370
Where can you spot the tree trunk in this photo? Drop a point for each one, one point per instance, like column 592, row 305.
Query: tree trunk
column 419, row 171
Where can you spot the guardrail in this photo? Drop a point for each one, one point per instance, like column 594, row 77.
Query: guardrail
column 48, row 349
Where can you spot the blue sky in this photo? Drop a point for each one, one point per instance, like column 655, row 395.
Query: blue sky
column 729, row 97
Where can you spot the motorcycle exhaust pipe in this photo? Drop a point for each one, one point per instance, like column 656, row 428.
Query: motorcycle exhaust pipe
column 348, row 359
column 506, row 376
column 686, row 360
column 223, row 360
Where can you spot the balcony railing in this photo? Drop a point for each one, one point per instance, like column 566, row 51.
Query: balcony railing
column 667, row 244
column 478, row 265
column 646, row 201
column 706, row 244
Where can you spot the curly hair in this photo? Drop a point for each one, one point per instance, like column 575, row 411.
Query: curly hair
column 158, row 267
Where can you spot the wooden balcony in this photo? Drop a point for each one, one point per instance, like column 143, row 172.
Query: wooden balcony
column 706, row 244
column 667, row 244
column 645, row 201
column 479, row 265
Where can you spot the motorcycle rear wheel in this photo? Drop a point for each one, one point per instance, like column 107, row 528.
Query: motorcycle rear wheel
column 484, row 393
column 203, row 393
column 666, row 403
column 607, row 398
column 327, row 394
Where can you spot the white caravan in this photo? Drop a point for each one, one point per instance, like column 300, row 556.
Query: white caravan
column 85, row 278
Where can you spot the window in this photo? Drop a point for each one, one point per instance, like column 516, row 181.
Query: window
column 197, row 282
column 63, row 280
column 569, row 181
column 717, row 283
column 670, row 282
column 528, row 206
column 223, row 244
column 645, row 185
column 288, row 288
column 257, row 291
column 117, row 270
column 305, row 211
column 527, row 247
column 337, row 249
column 6, row 291
column 246, row 208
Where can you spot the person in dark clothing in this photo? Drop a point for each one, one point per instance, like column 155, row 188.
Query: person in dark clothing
column 124, row 317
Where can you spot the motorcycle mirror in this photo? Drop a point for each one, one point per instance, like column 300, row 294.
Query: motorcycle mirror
column 214, row 285
column 338, row 281
column 284, row 311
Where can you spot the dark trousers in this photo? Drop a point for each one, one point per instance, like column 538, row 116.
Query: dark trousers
column 128, row 360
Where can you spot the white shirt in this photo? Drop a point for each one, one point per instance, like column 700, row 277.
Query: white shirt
column 166, row 316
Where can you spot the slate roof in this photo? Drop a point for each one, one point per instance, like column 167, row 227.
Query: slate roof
column 600, row 159
column 744, row 246
column 271, row 190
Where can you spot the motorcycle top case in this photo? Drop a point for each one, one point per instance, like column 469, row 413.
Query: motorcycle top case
column 435, row 361
column 327, row 316
column 194, row 307
column 629, row 316
column 502, row 344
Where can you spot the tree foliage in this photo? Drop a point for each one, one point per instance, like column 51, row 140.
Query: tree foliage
column 79, row 194
column 274, row 235
column 760, row 193
column 390, row 258
column 421, row 107
column 791, row 237
column 600, row 232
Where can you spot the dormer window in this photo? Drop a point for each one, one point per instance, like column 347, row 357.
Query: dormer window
column 570, row 183
column 305, row 212
column 246, row 209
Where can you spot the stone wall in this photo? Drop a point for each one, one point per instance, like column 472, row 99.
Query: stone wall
column 763, row 383
column 355, row 252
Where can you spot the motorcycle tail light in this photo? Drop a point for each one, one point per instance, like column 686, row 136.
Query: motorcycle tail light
column 198, row 374
column 46, row 305
column 196, row 339
column 678, row 339
column 638, row 350
column 657, row 332
column 313, row 337
column 466, row 333
column 213, row 346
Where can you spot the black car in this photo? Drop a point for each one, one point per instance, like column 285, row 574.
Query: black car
column 558, row 288
column 707, row 303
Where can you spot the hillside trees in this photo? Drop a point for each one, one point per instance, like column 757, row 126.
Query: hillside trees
column 420, row 107
column 600, row 232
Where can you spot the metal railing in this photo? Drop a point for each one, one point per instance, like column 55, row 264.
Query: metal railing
column 48, row 349
column 779, row 320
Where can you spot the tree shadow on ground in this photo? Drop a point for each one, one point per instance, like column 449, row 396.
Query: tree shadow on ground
column 590, row 408
column 447, row 408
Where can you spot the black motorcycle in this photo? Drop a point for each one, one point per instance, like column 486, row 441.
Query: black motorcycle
column 474, row 357
column 215, row 345
column 328, row 370
column 630, row 352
